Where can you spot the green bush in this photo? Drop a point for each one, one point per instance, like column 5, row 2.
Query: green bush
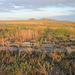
column 61, row 31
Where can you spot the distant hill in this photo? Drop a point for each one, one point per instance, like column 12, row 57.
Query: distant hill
column 32, row 19
column 35, row 20
column 41, row 20
column 47, row 19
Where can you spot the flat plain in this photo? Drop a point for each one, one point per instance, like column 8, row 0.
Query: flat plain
column 37, row 47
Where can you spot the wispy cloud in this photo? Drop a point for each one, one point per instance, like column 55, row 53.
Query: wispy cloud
column 34, row 4
column 37, row 8
column 70, row 17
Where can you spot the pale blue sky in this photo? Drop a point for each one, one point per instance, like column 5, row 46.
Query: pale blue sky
column 26, row 9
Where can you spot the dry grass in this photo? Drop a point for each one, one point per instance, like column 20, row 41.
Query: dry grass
column 23, row 35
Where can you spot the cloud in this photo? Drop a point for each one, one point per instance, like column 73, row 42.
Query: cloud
column 39, row 9
column 70, row 17
column 65, row 8
column 33, row 4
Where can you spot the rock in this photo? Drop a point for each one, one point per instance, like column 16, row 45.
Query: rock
column 57, row 45
column 70, row 50
column 26, row 43
column 73, row 47
column 73, row 44
column 14, row 45
column 9, row 48
column 47, row 47
column 55, row 70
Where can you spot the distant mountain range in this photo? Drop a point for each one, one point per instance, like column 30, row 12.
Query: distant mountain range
column 35, row 20
column 43, row 19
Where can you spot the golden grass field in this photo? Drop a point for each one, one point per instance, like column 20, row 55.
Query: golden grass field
column 37, row 47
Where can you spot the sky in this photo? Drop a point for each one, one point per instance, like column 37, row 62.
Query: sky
column 26, row 9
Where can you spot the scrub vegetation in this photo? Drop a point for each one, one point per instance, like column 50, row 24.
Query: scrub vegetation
column 37, row 47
